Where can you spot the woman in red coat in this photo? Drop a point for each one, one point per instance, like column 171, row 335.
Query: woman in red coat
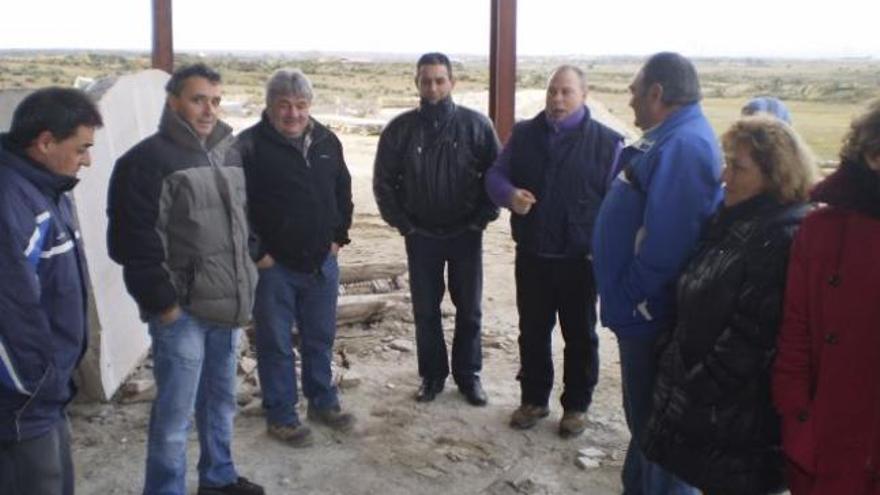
column 826, row 381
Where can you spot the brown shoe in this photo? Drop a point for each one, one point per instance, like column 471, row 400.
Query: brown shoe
column 572, row 424
column 295, row 435
column 332, row 418
column 527, row 416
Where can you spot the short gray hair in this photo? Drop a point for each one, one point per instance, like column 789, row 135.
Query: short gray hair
column 582, row 76
column 676, row 74
column 288, row 82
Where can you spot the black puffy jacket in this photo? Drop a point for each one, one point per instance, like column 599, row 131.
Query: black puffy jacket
column 712, row 422
column 429, row 170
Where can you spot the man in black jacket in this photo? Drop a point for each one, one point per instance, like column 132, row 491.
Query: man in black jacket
column 299, row 200
column 428, row 183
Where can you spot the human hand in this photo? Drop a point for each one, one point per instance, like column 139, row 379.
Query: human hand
column 521, row 201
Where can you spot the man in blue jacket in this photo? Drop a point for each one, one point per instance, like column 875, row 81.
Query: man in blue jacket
column 43, row 294
column 648, row 226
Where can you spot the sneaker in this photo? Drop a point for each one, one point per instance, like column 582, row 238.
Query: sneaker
column 527, row 416
column 242, row 486
column 572, row 424
column 295, row 435
column 332, row 418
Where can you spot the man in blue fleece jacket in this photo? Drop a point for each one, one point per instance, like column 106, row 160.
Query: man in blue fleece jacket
column 647, row 228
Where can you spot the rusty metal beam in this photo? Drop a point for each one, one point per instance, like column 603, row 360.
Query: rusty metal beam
column 163, row 48
column 502, row 66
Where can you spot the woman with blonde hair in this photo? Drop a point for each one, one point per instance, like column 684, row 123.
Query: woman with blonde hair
column 713, row 423
column 826, row 380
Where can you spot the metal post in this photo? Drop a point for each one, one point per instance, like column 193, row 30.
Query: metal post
column 502, row 66
column 163, row 48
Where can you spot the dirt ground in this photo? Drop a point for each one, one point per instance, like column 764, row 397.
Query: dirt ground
column 399, row 446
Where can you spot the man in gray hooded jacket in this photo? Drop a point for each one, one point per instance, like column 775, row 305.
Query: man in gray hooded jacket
column 177, row 225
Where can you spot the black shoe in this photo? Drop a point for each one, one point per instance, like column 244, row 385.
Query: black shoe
column 474, row 393
column 429, row 389
column 242, row 486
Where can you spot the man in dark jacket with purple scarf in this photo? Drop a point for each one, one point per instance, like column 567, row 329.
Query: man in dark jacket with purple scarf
column 552, row 175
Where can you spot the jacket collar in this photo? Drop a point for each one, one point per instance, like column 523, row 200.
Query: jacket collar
column 176, row 129
column 36, row 173
column 570, row 123
column 748, row 208
column 315, row 130
column 436, row 113
column 853, row 186
column 674, row 120
column 576, row 121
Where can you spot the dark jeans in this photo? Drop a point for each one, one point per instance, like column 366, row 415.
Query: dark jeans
column 38, row 466
column 426, row 257
column 546, row 287
column 638, row 369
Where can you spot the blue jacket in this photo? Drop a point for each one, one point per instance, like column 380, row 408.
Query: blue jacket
column 43, row 297
column 651, row 219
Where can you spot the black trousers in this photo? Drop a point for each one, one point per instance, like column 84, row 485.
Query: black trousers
column 38, row 466
column 545, row 288
column 462, row 257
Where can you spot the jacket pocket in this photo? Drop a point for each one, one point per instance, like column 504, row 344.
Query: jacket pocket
column 579, row 230
column 799, row 440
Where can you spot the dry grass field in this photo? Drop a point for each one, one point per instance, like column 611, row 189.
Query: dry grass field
column 823, row 95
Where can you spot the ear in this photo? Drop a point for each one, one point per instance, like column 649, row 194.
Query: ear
column 451, row 83
column 655, row 93
column 173, row 102
column 44, row 141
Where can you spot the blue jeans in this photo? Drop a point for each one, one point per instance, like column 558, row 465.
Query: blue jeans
column 426, row 258
column 638, row 369
column 285, row 297
column 194, row 367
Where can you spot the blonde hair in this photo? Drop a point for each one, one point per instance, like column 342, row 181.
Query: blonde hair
column 863, row 138
column 784, row 159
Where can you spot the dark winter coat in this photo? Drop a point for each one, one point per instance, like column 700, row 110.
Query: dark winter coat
column 568, row 180
column 299, row 201
column 43, row 296
column 713, row 422
column 177, row 224
column 826, row 381
column 429, row 170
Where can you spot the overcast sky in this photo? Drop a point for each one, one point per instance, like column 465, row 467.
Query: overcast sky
column 767, row 28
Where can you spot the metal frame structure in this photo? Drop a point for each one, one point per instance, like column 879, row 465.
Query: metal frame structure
column 502, row 57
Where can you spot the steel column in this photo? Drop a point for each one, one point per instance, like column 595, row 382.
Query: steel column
column 502, row 66
column 163, row 48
